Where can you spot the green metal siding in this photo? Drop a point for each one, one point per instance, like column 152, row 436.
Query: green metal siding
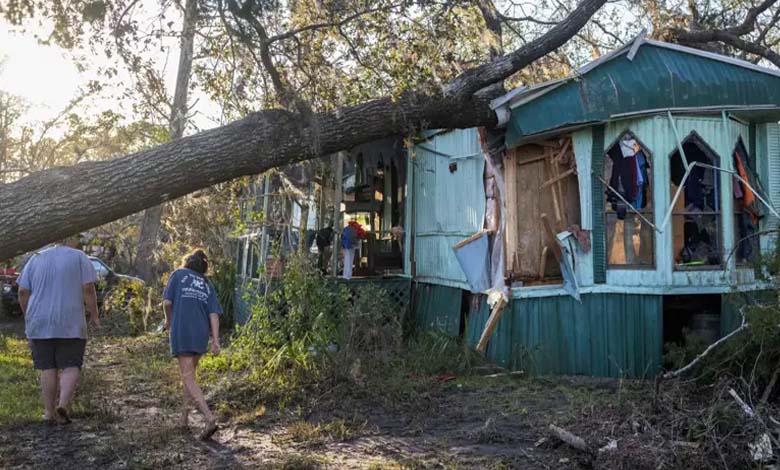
column 438, row 308
column 610, row 335
column 597, row 168
column 657, row 78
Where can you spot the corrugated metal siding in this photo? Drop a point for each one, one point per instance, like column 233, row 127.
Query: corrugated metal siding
column 657, row 78
column 582, row 142
column 599, row 248
column 437, row 308
column 448, row 206
column 771, row 149
column 611, row 335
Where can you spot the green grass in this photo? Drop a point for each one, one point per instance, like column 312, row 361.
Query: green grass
column 19, row 392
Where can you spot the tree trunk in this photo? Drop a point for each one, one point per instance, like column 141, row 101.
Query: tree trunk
column 150, row 225
column 51, row 204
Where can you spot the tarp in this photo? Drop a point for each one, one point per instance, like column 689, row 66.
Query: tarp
column 474, row 259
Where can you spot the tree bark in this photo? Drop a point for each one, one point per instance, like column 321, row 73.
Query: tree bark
column 152, row 219
column 51, row 204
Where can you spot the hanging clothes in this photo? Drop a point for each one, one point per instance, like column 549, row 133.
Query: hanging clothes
column 748, row 201
column 629, row 176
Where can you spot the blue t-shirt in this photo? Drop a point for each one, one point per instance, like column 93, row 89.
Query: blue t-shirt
column 55, row 278
column 193, row 298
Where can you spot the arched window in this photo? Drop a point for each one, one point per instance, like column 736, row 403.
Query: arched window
column 696, row 215
column 629, row 204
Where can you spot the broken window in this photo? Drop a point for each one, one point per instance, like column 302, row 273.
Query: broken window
column 747, row 208
column 629, row 204
column 542, row 200
column 696, row 214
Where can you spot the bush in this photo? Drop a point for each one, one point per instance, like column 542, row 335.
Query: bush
column 224, row 279
column 131, row 308
column 310, row 333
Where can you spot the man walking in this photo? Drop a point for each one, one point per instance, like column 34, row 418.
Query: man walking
column 54, row 288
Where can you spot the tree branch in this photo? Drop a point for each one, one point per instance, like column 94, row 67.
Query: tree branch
column 51, row 204
column 480, row 77
column 703, row 37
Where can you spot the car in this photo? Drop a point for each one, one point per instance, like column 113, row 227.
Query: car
column 107, row 282
column 9, row 301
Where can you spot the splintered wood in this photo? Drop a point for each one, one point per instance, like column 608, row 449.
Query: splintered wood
column 492, row 323
column 541, row 178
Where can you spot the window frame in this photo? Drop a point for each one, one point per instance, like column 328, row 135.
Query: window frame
column 706, row 148
column 607, row 210
column 755, row 237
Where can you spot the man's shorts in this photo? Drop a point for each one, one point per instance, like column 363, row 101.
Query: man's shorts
column 57, row 353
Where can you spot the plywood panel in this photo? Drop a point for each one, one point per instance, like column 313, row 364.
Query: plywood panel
column 527, row 169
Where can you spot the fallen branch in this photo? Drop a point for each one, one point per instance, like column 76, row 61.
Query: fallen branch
column 710, row 348
column 572, row 440
column 745, row 407
column 770, row 386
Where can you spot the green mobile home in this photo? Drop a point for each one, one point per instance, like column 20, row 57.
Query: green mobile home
column 633, row 200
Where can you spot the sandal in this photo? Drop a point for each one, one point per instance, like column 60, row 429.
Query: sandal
column 62, row 416
column 208, row 431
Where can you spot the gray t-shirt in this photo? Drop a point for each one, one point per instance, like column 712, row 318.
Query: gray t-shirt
column 55, row 278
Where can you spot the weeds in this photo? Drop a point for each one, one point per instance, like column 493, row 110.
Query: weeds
column 131, row 309
column 308, row 335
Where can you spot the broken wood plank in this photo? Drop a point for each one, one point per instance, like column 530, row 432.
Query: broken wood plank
column 492, row 323
column 470, row 239
column 531, row 160
column 572, row 440
column 543, row 263
column 556, row 207
column 556, row 248
column 563, row 151
column 558, row 178
column 559, row 193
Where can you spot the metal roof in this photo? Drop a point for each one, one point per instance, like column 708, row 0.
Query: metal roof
column 642, row 77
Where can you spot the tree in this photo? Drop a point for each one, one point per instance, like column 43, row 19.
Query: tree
column 51, row 204
column 11, row 109
column 749, row 32
column 150, row 225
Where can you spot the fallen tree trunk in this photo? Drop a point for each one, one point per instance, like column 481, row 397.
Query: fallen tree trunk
column 51, row 204
column 571, row 439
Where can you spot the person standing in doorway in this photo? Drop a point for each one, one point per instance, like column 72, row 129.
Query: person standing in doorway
column 54, row 287
column 192, row 316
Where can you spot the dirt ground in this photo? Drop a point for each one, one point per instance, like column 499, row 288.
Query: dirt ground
column 127, row 410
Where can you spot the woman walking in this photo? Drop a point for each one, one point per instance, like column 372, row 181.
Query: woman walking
column 192, row 316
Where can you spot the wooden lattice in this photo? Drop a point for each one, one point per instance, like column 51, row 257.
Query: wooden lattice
column 399, row 290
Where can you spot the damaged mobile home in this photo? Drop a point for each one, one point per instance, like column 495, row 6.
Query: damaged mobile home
column 611, row 210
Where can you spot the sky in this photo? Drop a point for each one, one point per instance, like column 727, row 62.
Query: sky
column 42, row 75
column 47, row 79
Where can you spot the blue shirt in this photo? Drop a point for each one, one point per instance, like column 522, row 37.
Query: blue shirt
column 194, row 298
column 55, row 278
